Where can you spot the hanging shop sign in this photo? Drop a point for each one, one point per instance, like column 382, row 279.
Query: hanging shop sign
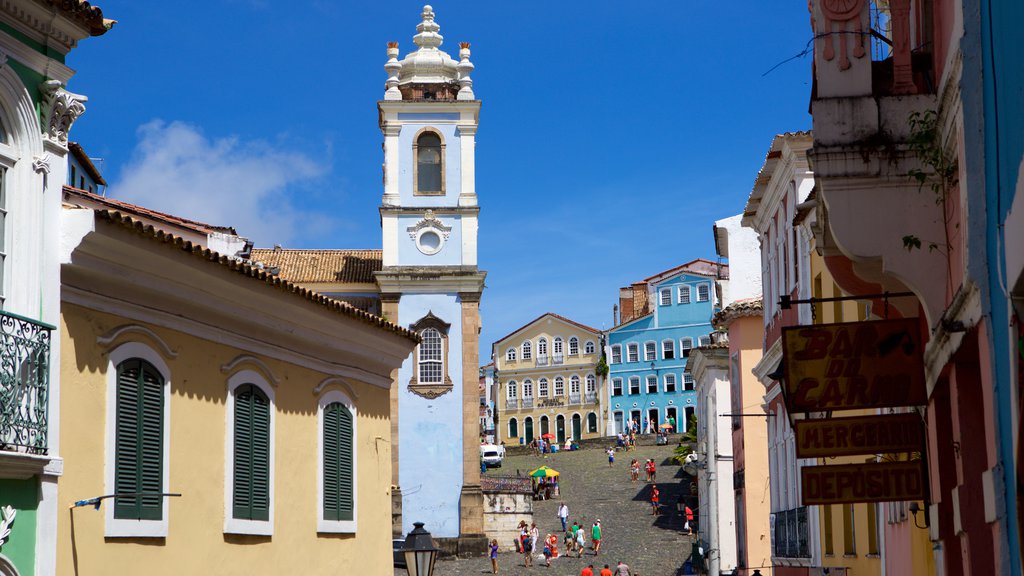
column 870, row 482
column 856, row 365
column 876, row 434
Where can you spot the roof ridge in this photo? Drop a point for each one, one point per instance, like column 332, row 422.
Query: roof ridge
column 142, row 210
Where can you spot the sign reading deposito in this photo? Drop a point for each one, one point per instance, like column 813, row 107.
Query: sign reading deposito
column 877, row 434
column 871, row 482
column 855, row 365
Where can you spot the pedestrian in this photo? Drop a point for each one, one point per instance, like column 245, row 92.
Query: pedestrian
column 655, row 495
column 647, row 469
column 534, row 536
column 494, row 556
column 611, row 455
column 527, row 547
column 634, row 470
column 689, row 519
column 548, row 551
column 654, row 471
column 581, row 543
column 606, row 571
column 587, row 571
column 622, row 569
column 563, row 515
column 595, row 536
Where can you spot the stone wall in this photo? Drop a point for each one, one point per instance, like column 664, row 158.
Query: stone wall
column 502, row 513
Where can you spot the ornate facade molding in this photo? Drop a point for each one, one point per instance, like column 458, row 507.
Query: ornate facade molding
column 108, row 339
column 41, row 163
column 243, row 360
column 430, row 220
column 59, row 110
column 430, row 391
column 390, row 297
column 5, row 524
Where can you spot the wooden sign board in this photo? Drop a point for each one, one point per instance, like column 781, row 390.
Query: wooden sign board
column 876, row 434
column 871, row 482
column 854, row 365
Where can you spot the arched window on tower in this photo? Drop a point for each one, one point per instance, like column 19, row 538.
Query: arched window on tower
column 430, row 360
column 430, row 371
column 429, row 152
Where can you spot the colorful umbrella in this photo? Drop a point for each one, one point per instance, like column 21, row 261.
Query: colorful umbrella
column 544, row 472
column 547, row 436
column 666, row 425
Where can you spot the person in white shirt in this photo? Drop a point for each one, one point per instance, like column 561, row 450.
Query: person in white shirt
column 563, row 515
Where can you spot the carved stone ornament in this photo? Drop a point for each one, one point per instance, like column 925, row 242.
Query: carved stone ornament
column 41, row 164
column 430, row 391
column 59, row 111
column 8, row 513
column 429, row 221
column 843, row 23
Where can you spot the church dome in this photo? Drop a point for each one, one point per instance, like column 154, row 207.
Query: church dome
column 428, row 64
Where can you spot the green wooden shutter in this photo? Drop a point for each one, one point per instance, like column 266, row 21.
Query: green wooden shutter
column 338, row 480
column 138, row 442
column 251, row 491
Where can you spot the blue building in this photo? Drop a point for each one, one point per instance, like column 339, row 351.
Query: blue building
column 660, row 319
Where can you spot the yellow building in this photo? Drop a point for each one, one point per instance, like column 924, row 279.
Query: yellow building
column 548, row 382
column 215, row 418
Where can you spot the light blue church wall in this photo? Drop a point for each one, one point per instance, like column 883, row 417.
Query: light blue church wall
column 451, row 251
column 430, row 431
column 452, row 163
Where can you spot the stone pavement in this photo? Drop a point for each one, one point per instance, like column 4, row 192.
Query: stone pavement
column 650, row 545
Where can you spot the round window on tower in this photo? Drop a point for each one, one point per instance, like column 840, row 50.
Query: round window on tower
column 429, row 241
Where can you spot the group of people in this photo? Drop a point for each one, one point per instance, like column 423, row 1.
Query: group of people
column 650, row 468
column 575, row 541
column 541, row 446
column 621, row 569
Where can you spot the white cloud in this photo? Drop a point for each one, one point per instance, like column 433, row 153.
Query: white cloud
column 251, row 186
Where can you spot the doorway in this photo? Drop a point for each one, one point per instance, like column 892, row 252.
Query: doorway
column 544, row 428
column 634, row 417
column 528, row 426
column 577, row 427
column 672, row 418
column 690, row 410
column 560, row 428
column 620, row 425
column 652, row 419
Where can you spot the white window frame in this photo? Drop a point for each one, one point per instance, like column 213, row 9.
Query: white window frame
column 557, row 345
column 685, row 343
column 527, row 388
column 652, row 384
column 704, row 340
column 684, row 294
column 512, row 389
column 688, row 381
column 665, row 297
column 638, row 388
column 527, row 350
column 126, row 527
column 574, row 384
column 543, row 387
column 591, row 383
column 670, row 346
column 559, row 382
column 238, row 525
column 617, row 383
column 329, row 526
column 671, row 378
column 510, row 355
column 650, row 351
column 703, row 289
column 617, row 354
column 441, row 362
column 591, row 348
column 632, row 352
column 542, row 347
column 574, row 346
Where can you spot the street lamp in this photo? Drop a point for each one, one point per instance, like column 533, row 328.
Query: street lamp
column 420, row 552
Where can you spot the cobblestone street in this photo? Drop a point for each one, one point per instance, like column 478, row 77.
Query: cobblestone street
column 650, row 545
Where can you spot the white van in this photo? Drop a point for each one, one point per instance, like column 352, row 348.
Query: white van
column 492, row 455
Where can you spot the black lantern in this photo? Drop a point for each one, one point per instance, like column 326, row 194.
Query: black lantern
column 420, row 552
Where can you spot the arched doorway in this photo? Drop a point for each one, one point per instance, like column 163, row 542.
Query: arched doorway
column 672, row 418
column 528, row 426
column 620, row 424
column 544, row 428
column 560, row 428
column 652, row 419
column 577, row 427
column 690, row 410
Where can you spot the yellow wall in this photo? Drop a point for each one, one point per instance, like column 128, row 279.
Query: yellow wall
column 520, row 370
column 196, row 543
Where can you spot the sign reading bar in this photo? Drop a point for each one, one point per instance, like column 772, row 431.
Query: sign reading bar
column 877, row 434
column 855, row 365
column 872, row 482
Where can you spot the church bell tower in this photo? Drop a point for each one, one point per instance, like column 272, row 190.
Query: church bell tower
column 430, row 283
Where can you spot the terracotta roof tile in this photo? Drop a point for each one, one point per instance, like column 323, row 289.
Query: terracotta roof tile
column 194, row 225
column 302, row 266
column 738, row 309
column 241, row 267
column 699, row 266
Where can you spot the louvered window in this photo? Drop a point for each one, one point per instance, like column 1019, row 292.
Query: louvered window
column 251, row 493
column 339, row 501
column 139, row 441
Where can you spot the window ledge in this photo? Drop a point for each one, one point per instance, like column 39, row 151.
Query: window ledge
column 251, row 527
column 336, row 526
column 125, row 528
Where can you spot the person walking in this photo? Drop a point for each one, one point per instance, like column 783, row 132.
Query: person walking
column 689, row 519
column 587, row 571
column 494, row 556
column 634, row 470
column 654, row 471
column 611, row 455
column 595, row 536
column 534, row 536
column 563, row 515
column 527, row 547
column 655, row 496
column 581, row 542
column 606, row 571
column 622, row 569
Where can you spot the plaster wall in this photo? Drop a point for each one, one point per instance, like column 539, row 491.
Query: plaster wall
column 502, row 514
column 197, row 419
column 744, row 261
column 412, row 124
column 450, row 253
column 430, row 464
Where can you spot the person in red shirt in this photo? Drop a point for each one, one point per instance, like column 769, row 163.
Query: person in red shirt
column 689, row 519
column 588, row 571
column 655, row 496
column 606, row 571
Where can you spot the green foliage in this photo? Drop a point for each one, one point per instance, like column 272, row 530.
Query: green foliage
column 939, row 170
column 602, row 367
column 681, row 452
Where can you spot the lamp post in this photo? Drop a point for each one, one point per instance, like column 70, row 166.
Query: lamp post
column 420, row 552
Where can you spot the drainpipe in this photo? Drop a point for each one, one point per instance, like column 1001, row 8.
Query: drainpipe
column 714, row 557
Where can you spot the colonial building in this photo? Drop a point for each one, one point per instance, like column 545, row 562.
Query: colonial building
column 662, row 318
column 548, row 381
column 426, row 279
column 36, row 115
column 214, row 406
column 917, row 162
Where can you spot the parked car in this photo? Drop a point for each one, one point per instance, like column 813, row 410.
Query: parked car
column 492, row 455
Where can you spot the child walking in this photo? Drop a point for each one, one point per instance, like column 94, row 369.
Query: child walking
column 494, row 556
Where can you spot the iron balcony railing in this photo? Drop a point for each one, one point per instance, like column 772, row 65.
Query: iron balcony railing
column 590, row 398
column 542, row 360
column 558, row 359
column 791, row 535
column 528, row 402
column 24, row 383
column 511, row 403
column 574, row 398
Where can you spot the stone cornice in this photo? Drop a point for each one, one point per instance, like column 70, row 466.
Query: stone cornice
column 430, row 280
column 438, row 211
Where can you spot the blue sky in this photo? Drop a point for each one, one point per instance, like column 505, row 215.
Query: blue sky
column 611, row 137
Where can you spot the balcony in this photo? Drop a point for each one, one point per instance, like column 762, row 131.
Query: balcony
column 574, row 398
column 24, row 384
column 542, row 360
column 790, row 539
column 511, row 403
column 558, row 359
column 590, row 397
column 527, row 403
column 872, row 71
